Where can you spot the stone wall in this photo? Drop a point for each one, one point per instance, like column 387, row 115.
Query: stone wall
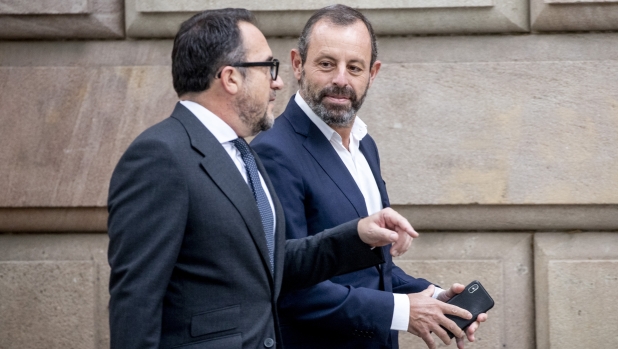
column 497, row 122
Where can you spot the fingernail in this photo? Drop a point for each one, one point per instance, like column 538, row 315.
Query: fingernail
column 393, row 236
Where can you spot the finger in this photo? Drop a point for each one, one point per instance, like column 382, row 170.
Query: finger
column 460, row 343
column 451, row 292
column 429, row 291
column 397, row 222
column 428, row 339
column 455, row 310
column 401, row 245
column 471, row 330
column 443, row 335
column 384, row 236
column 482, row 317
column 452, row 327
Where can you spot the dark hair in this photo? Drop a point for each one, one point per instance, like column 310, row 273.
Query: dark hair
column 340, row 15
column 203, row 44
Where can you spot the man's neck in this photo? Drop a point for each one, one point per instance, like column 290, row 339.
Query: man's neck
column 344, row 132
column 218, row 105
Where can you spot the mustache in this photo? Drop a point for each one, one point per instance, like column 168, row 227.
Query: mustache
column 344, row 91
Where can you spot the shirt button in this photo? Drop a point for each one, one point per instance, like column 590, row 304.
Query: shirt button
column 269, row 342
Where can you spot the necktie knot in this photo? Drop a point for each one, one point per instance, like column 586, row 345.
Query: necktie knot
column 242, row 146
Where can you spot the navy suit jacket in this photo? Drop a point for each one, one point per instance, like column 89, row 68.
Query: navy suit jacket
column 318, row 192
column 188, row 255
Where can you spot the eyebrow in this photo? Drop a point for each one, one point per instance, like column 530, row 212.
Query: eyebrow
column 327, row 56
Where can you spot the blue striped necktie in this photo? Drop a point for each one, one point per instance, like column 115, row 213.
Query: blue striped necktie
column 259, row 194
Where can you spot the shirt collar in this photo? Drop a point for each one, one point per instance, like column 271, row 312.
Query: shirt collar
column 222, row 131
column 359, row 128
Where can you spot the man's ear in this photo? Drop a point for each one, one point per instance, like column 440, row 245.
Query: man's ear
column 230, row 80
column 297, row 63
column 374, row 71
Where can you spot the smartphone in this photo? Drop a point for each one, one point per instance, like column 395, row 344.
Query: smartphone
column 475, row 299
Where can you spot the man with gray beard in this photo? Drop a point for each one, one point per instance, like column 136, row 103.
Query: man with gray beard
column 326, row 170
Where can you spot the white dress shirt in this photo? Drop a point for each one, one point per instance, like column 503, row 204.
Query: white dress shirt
column 225, row 135
column 357, row 165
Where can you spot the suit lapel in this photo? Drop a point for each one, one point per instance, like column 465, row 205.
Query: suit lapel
column 325, row 155
column 221, row 169
column 369, row 150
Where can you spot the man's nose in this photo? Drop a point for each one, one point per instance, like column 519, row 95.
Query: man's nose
column 341, row 76
column 276, row 84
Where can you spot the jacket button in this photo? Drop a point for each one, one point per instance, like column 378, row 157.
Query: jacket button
column 269, row 342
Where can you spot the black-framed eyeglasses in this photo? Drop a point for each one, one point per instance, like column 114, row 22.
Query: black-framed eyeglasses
column 274, row 67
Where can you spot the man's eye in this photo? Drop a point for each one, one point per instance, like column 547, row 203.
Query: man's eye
column 355, row 69
column 325, row 64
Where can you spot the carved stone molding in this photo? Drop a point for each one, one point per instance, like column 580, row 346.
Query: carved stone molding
column 573, row 15
column 158, row 18
column 57, row 19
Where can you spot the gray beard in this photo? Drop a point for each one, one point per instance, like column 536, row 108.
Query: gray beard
column 333, row 116
column 249, row 114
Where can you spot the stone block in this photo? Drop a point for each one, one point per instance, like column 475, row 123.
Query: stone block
column 501, row 262
column 574, row 316
column 54, row 291
column 158, row 18
column 61, row 150
column 56, row 19
column 40, row 300
column 573, row 15
column 457, row 120
column 43, row 7
column 574, row 273
column 497, row 132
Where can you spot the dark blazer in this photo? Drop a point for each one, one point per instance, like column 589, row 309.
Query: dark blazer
column 317, row 192
column 188, row 256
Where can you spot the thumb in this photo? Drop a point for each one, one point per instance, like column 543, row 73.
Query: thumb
column 429, row 291
column 383, row 237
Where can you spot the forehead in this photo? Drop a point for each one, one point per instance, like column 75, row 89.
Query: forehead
column 328, row 37
column 256, row 46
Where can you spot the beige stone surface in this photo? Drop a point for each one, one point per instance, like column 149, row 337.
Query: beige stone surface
column 573, row 15
column 458, row 120
column 40, row 7
column 501, row 262
column 497, row 132
column 60, row 151
column 497, row 48
column 56, row 19
column 54, row 291
column 157, row 18
column 575, row 317
column 62, row 148
column 574, row 273
column 40, row 300
column 511, row 217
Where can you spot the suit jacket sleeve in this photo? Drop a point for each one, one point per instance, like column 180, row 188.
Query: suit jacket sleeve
column 326, row 305
column 148, row 207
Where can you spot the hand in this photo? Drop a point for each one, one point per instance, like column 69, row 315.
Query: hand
column 448, row 294
column 427, row 314
column 385, row 227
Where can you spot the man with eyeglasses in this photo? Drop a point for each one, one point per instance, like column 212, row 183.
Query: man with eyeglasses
column 197, row 242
